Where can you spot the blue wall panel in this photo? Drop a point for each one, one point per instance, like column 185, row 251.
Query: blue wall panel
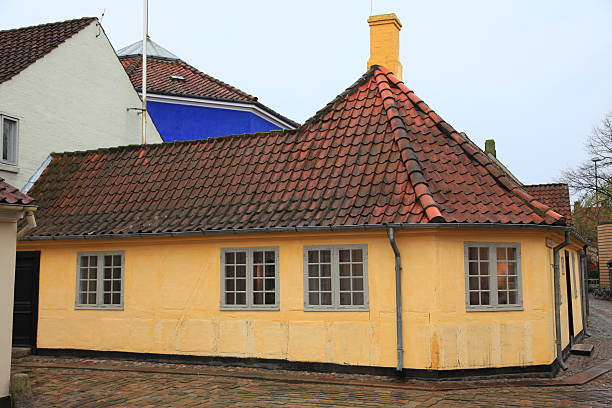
column 186, row 122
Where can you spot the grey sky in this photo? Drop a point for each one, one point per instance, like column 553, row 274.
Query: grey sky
column 533, row 75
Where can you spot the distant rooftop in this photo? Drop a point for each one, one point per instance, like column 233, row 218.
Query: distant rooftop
column 153, row 50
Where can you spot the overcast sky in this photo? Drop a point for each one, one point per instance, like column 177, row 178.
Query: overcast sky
column 533, row 75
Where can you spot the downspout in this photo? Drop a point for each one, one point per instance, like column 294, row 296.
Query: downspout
column 398, row 301
column 557, row 279
column 585, row 291
column 31, row 224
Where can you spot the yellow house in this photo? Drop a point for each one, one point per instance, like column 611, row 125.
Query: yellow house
column 373, row 238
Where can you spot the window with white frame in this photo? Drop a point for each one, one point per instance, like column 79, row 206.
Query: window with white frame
column 100, row 280
column 9, row 140
column 249, row 278
column 574, row 272
column 336, row 278
column 493, row 276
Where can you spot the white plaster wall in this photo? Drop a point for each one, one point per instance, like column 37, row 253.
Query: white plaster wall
column 74, row 98
column 8, row 229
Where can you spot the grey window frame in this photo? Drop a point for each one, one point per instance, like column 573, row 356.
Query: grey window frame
column 100, row 281
column 249, row 279
column 335, row 281
column 494, row 307
column 15, row 150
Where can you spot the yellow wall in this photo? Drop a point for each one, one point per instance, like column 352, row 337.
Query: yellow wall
column 172, row 289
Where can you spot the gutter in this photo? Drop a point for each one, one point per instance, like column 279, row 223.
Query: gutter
column 307, row 229
column 585, row 290
column 557, row 279
column 31, row 224
column 398, row 301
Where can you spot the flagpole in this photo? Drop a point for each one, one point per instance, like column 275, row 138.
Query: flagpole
column 143, row 139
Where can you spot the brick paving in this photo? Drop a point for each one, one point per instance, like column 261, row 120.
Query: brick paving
column 82, row 384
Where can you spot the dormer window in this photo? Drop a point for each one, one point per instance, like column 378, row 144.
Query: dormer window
column 8, row 142
column 178, row 77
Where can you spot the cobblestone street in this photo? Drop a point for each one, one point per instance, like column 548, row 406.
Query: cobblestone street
column 95, row 383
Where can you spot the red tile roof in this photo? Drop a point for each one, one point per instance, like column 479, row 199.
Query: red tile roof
column 376, row 155
column 555, row 196
column 11, row 195
column 194, row 83
column 21, row 47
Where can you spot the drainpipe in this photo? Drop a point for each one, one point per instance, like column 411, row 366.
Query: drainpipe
column 398, row 301
column 31, row 224
column 585, row 290
column 557, row 279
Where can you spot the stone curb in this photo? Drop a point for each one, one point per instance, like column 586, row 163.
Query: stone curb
column 578, row 379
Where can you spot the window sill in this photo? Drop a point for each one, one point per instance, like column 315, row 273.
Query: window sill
column 116, row 308
column 332, row 309
column 496, row 309
column 11, row 168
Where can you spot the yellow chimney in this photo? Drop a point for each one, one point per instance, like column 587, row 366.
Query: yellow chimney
column 384, row 42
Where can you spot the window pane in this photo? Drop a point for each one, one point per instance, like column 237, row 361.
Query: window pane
column 108, row 260
column 501, row 254
column 241, row 258
column 270, row 270
column 258, row 257
column 116, row 299
column 93, row 285
column 270, row 298
column 108, row 273
column 93, row 261
column 474, row 298
column 107, row 299
column 484, row 268
column 511, row 268
column 484, row 283
column 269, row 257
column 241, row 298
column 345, row 269
column 358, row 298
column 313, row 299
column 313, row 256
column 229, row 271
column 313, row 270
column 117, row 273
column 229, row 284
column 473, row 283
column 357, row 255
column 502, row 268
column 326, row 284
column 270, row 284
column 241, row 271
column 357, row 284
column 326, row 298
column 258, row 271
column 512, row 297
column 258, row 285
column 345, row 298
column 345, row 284
column 313, row 285
column 9, row 140
column 229, row 299
column 83, row 298
column 502, row 297
column 344, row 255
column 325, row 270
column 107, row 286
column 473, row 253
column 484, row 254
column 473, row 268
column 357, row 269
column 326, row 256
column 512, row 253
column 83, row 285
column 117, row 260
column 511, row 283
column 258, row 298
column 484, row 298
column 229, row 257
column 84, row 261
column 241, row 284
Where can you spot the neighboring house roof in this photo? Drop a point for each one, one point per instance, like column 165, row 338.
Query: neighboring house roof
column 376, row 155
column 21, row 47
column 153, row 50
column 11, row 195
column 555, row 196
column 169, row 75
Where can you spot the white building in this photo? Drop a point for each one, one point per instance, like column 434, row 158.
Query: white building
column 62, row 88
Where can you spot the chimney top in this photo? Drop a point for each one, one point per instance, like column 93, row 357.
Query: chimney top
column 490, row 147
column 385, row 42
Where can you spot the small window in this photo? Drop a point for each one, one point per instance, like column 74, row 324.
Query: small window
column 249, row 278
column 100, row 280
column 336, row 278
column 8, row 142
column 493, row 276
